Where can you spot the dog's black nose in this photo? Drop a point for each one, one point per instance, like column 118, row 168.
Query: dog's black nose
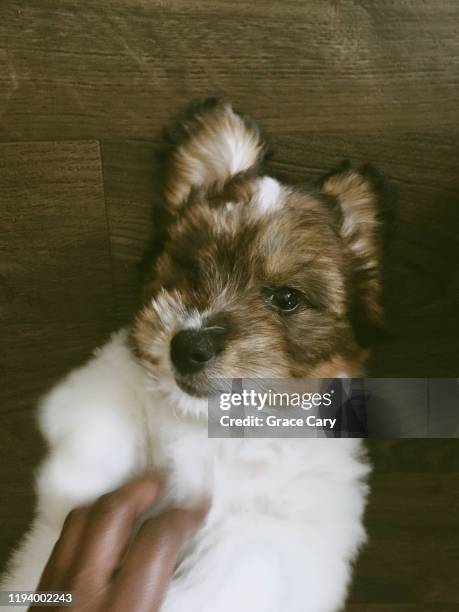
column 192, row 349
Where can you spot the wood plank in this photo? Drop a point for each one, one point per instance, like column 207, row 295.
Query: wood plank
column 413, row 551
column 132, row 193
column 102, row 70
column 414, row 456
column 395, row 607
column 56, row 297
column 54, row 226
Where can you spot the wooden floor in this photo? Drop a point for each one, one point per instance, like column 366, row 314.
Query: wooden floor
column 85, row 89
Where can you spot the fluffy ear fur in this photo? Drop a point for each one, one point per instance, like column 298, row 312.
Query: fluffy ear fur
column 211, row 144
column 363, row 202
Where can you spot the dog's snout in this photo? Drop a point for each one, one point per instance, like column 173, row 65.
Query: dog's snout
column 192, row 349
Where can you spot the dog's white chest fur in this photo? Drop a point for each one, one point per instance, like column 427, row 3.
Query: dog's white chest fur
column 285, row 517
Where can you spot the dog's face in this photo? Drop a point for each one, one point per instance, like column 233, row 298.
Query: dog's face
column 258, row 279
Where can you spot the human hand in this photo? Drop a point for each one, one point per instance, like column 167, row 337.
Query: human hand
column 97, row 560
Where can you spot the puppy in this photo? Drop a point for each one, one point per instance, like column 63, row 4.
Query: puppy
column 255, row 279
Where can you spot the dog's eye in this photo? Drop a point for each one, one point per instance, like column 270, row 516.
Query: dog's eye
column 284, row 299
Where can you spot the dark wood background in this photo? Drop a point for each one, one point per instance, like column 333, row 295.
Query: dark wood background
column 86, row 87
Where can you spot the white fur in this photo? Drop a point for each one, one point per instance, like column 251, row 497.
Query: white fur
column 268, row 196
column 285, row 519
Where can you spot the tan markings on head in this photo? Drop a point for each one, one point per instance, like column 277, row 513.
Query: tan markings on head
column 359, row 198
column 302, row 251
column 352, row 366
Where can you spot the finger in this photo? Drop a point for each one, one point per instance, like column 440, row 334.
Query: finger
column 107, row 532
column 151, row 559
column 60, row 560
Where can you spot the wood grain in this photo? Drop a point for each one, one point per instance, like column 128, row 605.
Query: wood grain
column 315, row 65
column 56, row 296
column 132, row 194
column 55, row 264
column 413, row 555
column 397, row 456
column 438, row 607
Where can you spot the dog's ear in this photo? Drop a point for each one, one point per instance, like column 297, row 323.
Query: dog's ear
column 210, row 145
column 363, row 202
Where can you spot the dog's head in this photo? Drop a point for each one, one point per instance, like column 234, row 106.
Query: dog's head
column 257, row 278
